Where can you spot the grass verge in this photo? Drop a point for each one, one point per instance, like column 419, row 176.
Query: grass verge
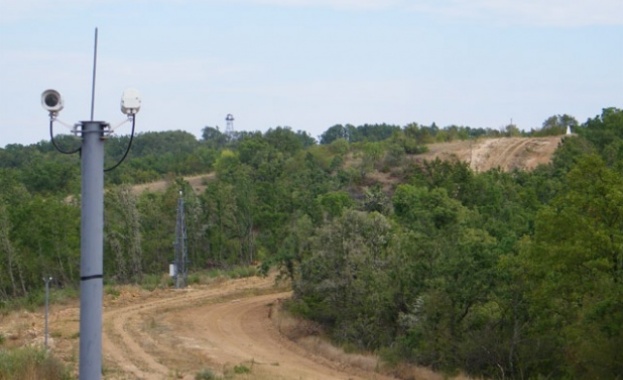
column 30, row 363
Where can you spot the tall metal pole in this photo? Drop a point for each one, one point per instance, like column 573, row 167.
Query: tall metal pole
column 94, row 72
column 47, row 280
column 91, row 250
column 181, row 253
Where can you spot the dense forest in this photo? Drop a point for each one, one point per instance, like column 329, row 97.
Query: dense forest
column 496, row 274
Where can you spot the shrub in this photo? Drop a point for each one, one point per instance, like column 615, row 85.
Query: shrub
column 30, row 363
column 240, row 369
column 153, row 281
column 205, row 374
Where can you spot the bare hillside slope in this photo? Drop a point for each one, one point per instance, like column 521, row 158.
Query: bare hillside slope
column 507, row 153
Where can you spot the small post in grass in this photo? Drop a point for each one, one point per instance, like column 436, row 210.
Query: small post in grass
column 47, row 280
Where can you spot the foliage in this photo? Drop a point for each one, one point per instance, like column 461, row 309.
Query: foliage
column 576, row 260
column 31, row 364
column 557, row 125
column 205, row 374
column 497, row 274
column 241, row 369
column 123, row 235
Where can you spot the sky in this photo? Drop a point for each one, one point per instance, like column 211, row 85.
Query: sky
column 309, row 64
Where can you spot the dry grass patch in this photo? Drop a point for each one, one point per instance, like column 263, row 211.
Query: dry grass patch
column 310, row 336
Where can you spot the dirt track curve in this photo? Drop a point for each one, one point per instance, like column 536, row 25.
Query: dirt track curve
column 222, row 327
column 506, row 153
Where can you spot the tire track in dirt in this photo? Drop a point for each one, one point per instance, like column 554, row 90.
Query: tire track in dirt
column 508, row 153
column 124, row 347
column 504, row 159
column 241, row 332
column 205, row 328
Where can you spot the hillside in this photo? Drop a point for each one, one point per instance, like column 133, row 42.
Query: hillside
column 197, row 182
column 508, row 153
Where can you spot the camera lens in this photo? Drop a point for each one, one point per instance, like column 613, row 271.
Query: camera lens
column 51, row 100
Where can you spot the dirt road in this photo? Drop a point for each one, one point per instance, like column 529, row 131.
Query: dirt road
column 228, row 328
column 506, row 153
column 233, row 328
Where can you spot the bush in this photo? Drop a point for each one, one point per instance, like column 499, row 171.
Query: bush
column 29, row 363
column 205, row 374
column 240, row 369
column 153, row 281
column 243, row 272
column 193, row 279
column 112, row 291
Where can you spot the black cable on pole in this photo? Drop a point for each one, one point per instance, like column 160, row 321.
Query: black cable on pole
column 56, row 146
column 127, row 150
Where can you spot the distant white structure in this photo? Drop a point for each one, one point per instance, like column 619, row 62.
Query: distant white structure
column 568, row 129
column 229, row 127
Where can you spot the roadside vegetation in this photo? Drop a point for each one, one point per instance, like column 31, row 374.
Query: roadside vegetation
column 494, row 274
column 30, row 363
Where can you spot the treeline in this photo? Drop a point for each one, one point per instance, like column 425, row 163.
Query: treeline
column 503, row 275
column 154, row 155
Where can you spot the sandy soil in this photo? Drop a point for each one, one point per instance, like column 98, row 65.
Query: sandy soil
column 197, row 182
column 507, row 153
column 229, row 327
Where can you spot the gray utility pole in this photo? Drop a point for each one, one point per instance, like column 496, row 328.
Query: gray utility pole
column 91, row 249
column 181, row 253
column 94, row 134
column 47, row 280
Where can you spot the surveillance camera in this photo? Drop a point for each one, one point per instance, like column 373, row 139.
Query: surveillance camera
column 130, row 101
column 52, row 101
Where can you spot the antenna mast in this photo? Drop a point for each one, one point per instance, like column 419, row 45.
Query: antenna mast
column 94, row 72
column 181, row 252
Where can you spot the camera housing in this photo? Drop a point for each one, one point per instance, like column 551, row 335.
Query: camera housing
column 52, row 101
column 130, row 101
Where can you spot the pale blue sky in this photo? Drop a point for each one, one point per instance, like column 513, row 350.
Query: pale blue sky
column 310, row 64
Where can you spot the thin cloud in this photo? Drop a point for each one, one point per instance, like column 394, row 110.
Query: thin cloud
column 15, row 11
column 332, row 4
column 556, row 13
column 553, row 13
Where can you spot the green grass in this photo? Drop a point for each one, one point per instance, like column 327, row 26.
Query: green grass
column 204, row 277
column 152, row 282
column 233, row 272
column 205, row 374
column 241, row 369
column 36, row 299
column 112, row 291
column 28, row 363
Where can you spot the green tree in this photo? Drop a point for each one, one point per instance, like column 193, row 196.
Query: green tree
column 336, row 132
column 603, row 129
column 214, row 138
column 343, row 282
column 557, row 125
column 13, row 284
column 577, row 264
column 123, row 235
column 335, row 202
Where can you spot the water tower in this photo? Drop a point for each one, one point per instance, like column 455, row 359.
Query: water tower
column 229, row 127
